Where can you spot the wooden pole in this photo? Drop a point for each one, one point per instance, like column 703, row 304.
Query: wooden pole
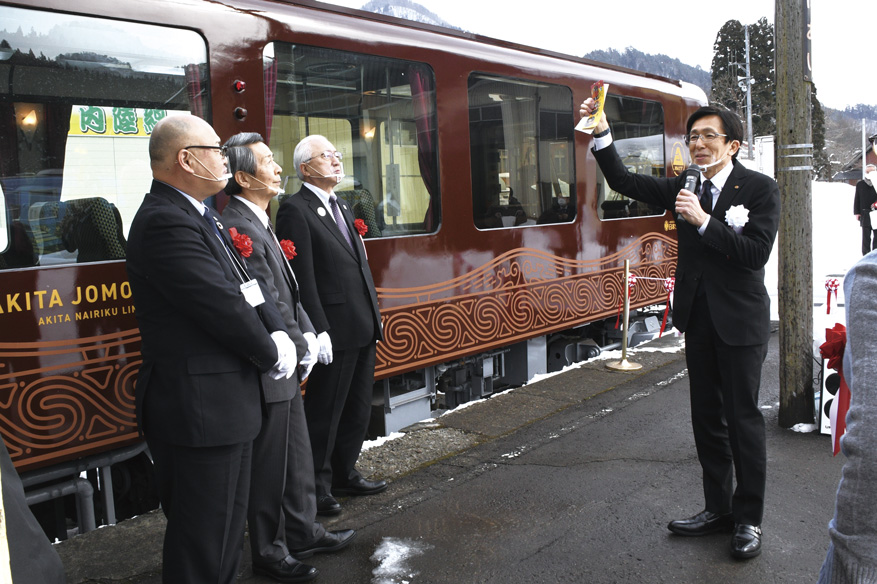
column 794, row 171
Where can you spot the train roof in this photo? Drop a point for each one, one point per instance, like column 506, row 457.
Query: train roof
column 688, row 90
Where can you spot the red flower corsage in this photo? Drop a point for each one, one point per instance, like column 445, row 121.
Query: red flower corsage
column 361, row 227
column 242, row 242
column 288, row 249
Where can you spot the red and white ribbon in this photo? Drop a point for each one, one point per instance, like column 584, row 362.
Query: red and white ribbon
column 831, row 285
column 631, row 282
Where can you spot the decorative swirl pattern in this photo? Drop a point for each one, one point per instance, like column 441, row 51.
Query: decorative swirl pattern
column 62, row 400
column 521, row 294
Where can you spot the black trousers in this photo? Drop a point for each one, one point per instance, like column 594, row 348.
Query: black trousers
column 282, row 508
column 869, row 238
column 203, row 492
column 338, row 407
column 727, row 421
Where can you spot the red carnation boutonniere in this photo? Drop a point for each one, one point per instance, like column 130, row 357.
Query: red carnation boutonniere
column 242, row 242
column 361, row 227
column 288, row 249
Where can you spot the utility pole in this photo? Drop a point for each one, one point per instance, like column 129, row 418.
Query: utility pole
column 794, row 170
column 749, row 83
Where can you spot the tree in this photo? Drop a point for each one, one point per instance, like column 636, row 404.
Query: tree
column 729, row 66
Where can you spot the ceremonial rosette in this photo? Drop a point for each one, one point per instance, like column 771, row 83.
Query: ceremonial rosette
column 288, row 248
column 736, row 217
column 833, row 351
column 241, row 242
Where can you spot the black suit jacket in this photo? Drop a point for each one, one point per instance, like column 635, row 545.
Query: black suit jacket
column 203, row 344
column 866, row 196
column 728, row 266
column 337, row 290
column 271, row 269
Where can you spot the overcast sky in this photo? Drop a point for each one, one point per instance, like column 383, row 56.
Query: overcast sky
column 844, row 32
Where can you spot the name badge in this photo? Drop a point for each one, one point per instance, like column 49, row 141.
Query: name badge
column 252, row 293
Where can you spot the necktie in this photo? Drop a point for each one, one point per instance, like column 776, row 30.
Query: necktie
column 339, row 219
column 212, row 223
column 706, row 197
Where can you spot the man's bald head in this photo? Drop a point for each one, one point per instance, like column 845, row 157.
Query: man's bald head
column 181, row 153
column 172, row 134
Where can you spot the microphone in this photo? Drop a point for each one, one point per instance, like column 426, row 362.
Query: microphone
column 215, row 178
column 277, row 191
column 338, row 177
column 691, row 174
column 710, row 165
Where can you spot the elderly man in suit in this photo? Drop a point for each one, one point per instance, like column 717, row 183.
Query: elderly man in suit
column 864, row 202
column 338, row 293
column 208, row 331
column 283, row 506
column 722, row 306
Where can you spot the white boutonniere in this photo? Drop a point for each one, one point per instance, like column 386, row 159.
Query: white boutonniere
column 737, row 216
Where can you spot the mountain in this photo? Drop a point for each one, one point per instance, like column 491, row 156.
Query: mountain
column 630, row 58
column 407, row 10
column 657, row 64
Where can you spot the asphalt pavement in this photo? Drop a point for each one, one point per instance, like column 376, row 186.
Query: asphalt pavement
column 569, row 479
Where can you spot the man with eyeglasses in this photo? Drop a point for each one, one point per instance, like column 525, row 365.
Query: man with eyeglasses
column 338, row 294
column 282, row 514
column 725, row 231
column 208, row 330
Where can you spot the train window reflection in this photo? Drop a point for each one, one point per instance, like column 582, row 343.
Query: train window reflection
column 638, row 134
column 79, row 100
column 379, row 112
column 4, row 230
column 522, row 152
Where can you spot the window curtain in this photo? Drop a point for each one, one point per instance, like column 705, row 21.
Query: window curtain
column 270, row 76
column 193, row 88
column 422, row 97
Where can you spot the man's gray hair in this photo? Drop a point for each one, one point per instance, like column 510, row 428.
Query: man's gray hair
column 305, row 151
column 240, row 157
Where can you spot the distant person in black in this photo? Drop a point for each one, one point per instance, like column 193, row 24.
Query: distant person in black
column 865, row 201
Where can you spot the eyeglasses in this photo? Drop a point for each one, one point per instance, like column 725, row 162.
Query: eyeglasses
column 707, row 138
column 223, row 150
column 328, row 154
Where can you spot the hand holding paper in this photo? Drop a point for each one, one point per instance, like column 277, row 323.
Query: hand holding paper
column 592, row 110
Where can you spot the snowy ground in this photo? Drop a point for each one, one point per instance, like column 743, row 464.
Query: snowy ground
column 837, row 245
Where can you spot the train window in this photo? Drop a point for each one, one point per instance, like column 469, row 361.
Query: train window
column 379, row 112
column 79, row 100
column 521, row 139
column 4, row 229
column 638, row 134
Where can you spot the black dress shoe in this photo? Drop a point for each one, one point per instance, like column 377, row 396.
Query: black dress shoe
column 331, row 542
column 746, row 542
column 703, row 523
column 359, row 487
column 327, row 505
column 286, row 570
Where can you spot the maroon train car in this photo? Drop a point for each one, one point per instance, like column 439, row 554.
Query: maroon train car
column 496, row 245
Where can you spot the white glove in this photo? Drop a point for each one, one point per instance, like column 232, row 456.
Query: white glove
column 286, row 356
column 325, row 352
column 313, row 348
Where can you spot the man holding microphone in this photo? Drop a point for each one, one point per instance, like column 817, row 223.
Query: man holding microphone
column 726, row 229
